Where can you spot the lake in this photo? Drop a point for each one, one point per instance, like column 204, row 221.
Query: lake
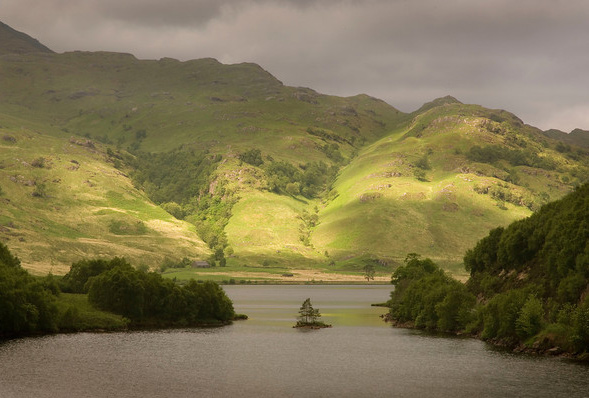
column 360, row 356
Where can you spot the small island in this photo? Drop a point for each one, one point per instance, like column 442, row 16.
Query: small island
column 309, row 317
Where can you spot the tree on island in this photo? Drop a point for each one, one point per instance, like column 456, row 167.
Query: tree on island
column 308, row 316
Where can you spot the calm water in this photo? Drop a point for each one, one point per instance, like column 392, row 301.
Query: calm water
column 265, row 357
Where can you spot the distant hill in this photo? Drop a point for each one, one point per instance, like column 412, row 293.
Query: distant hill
column 15, row 42
column 576, row 137
column 447, row 100
column 105, row 154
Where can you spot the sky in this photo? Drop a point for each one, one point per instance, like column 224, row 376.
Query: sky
column 530, row 57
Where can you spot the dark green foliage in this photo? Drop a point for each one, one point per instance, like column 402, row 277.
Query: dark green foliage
column 516, row 157
column 309, row 221
column 280, row 174
column 484, row 255
column 252, row 156
column 531, row 318
column 147, row 298
column 420, row 174
column 40, row 190
column 326, row 136
column 503, row 192
column 425, row 296
column 175, row 176
column 174, row 209
column 7, row 259
column 550, row 248
column 119, row 290
column 179, row 180
column 80, row 272
column 332, row 152
column 423, row 163
column 311, row 179
column 27, row 305
column 210, row 215
column 368, row 272
column 533, row 277
column 169, row 263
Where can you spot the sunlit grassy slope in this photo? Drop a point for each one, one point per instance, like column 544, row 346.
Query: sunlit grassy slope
column 383, row 210
column 62, row 201
column 123, row 103
column 411, row 184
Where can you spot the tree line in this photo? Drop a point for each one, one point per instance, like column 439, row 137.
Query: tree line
column 27, row 304
column 31, row 304
column 528, row 285
column 146, row 297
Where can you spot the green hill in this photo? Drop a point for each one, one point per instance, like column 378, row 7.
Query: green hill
column 576, row 137
column 62, row 200
column 434, row 186
column 267, row 175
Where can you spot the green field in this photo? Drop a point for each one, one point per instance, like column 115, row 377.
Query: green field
column 76, row 314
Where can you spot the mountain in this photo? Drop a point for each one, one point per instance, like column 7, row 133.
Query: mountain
column 576, row 137
column 432, row 185
column 15, row 42
column 104, row 154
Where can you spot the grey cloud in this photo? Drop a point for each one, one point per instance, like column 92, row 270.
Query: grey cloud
column 529, row 56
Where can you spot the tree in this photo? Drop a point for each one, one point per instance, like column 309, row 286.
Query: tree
column 307, row 314
column 252, row 156
column 368, row 272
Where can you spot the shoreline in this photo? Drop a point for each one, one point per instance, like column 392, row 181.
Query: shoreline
column 125, row 328
column 548, row 352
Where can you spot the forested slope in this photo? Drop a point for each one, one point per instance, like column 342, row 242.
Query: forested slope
column 528, row 286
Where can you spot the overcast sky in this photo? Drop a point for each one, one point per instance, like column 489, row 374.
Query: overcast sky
column 530, row 57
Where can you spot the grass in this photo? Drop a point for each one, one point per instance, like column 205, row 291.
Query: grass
column 76, row 314
column 275, row 274
column 90, row 208
column 393, row 213
column 380, row 211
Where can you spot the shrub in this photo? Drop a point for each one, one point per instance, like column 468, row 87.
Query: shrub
column 530, row 319
column 252, row 156
column 39, row 162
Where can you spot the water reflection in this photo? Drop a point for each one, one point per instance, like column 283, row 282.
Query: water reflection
column 265, row 357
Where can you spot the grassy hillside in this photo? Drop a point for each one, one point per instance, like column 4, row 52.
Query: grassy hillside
column 62, row 201
column 426, row 188
column 95, row 145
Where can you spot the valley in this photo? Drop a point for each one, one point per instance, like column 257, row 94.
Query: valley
column 103, row 155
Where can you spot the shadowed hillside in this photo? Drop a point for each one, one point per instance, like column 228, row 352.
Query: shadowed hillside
column 15, row 42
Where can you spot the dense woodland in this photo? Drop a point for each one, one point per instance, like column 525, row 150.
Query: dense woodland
column 528, row 285
column 146, row 297
column 27, row 304
column 32, row 305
